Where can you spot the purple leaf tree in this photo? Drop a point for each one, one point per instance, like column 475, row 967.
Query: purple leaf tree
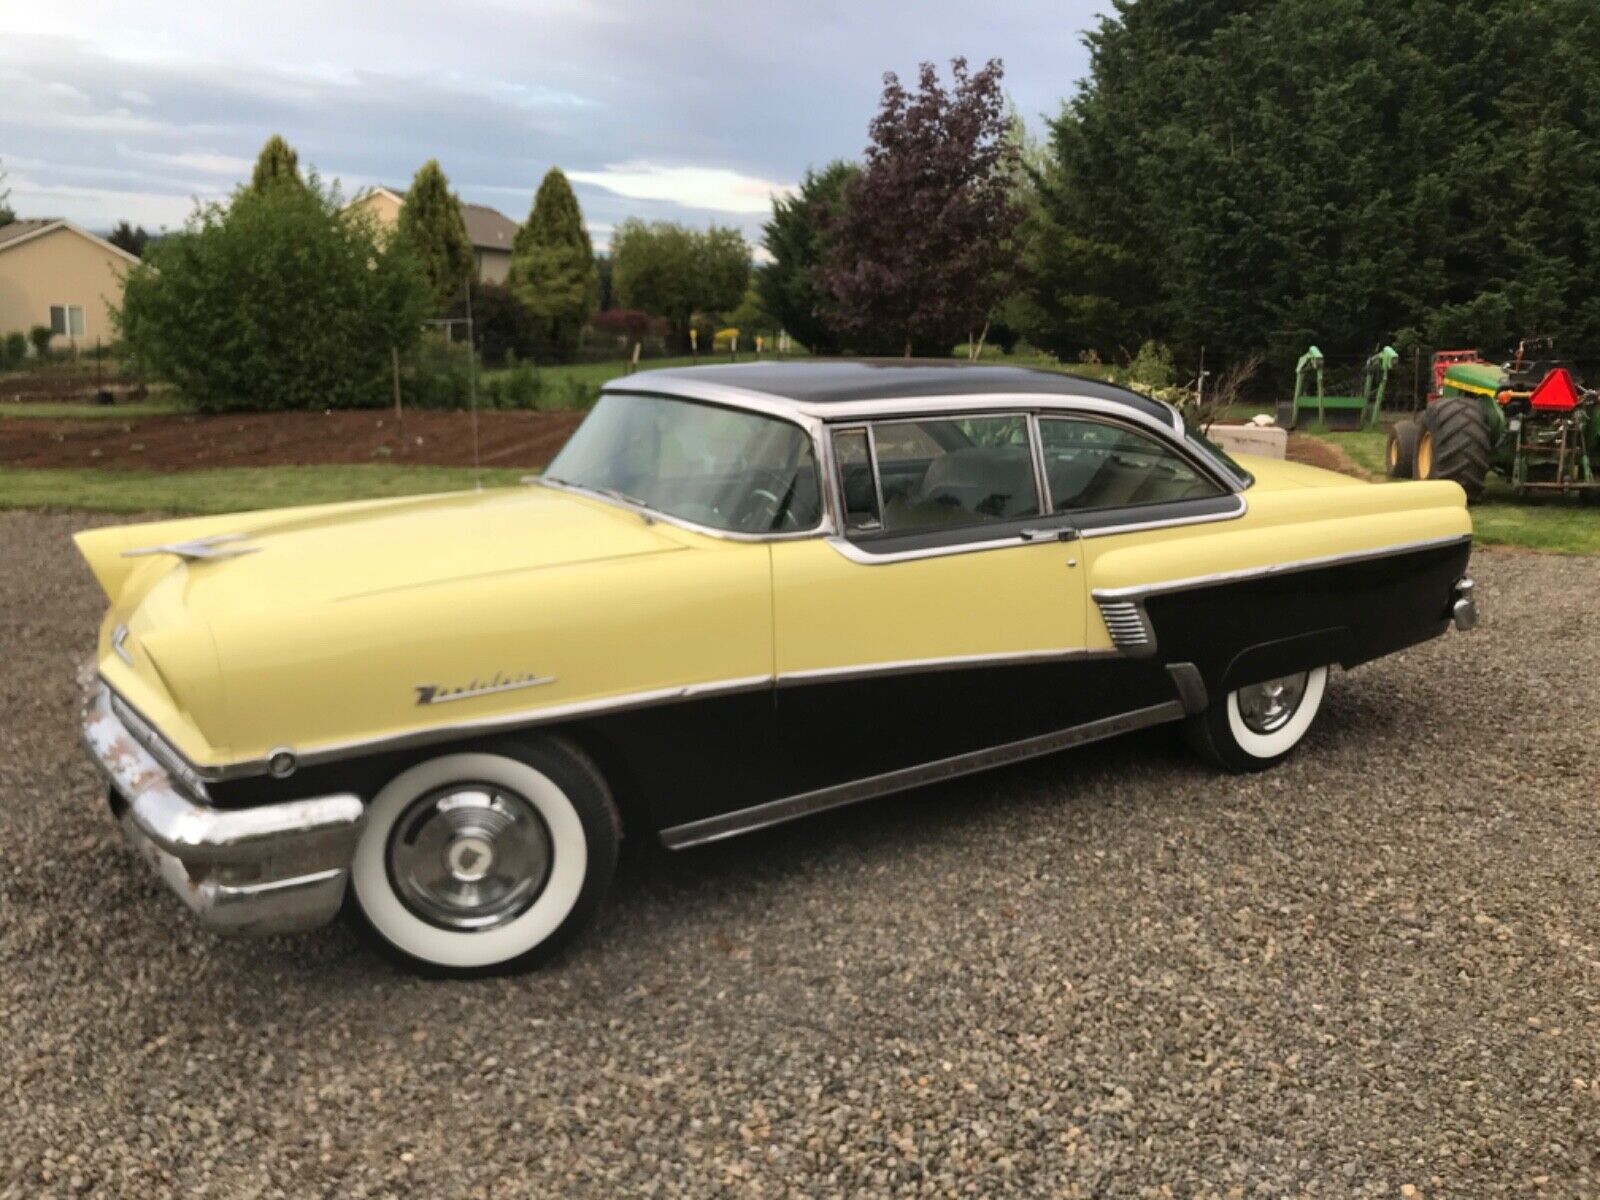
column 923, row 244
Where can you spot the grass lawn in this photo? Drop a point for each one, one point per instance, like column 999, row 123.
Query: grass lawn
column 1562, row 526
column 64, row 410
column 235, row 489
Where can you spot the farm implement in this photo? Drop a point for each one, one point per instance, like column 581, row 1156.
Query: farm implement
column 1349, row 411
column 1527, row 419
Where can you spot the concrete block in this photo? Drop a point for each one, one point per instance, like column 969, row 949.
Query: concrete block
column 1267, row 441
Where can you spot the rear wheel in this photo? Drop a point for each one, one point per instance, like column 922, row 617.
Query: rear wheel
column 485, row 862
column 1257, row 726
column 1399, row 456
column 1454, row 444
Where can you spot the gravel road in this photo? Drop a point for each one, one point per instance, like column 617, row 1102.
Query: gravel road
column 1372, row 972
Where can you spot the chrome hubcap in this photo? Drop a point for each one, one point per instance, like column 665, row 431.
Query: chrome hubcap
column 1268, row 707
column 469, row 857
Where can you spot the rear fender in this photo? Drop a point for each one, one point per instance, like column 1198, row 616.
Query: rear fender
column 1269, row 660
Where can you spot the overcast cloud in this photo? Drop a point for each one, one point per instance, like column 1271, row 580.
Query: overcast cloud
column 687, row 111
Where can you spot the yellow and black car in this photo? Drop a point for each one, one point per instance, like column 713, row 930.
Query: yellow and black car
column 740, row 595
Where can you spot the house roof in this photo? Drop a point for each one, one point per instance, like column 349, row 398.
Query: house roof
column 18, row 232
column 487, row 228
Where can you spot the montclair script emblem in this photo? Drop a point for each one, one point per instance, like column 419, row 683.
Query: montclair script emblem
column 434, row 693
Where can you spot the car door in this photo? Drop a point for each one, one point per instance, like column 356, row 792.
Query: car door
column 948, row 615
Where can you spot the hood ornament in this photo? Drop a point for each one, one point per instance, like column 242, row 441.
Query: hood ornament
column 219, row 545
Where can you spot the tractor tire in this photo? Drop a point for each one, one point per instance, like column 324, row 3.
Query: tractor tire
column 1400, row 455
column 1453, row 444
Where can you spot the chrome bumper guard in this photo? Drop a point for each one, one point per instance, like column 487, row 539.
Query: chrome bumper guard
column 275, row 868
column 1464, row 606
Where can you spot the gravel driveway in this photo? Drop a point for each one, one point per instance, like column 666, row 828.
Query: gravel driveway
column 1372, row 972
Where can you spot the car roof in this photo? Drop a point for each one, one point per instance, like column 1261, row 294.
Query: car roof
column 816, row 384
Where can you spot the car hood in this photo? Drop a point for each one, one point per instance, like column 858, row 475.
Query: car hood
column 331, row 553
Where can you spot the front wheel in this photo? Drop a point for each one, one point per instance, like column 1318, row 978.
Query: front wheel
column 485, row 862
column 1257, row 726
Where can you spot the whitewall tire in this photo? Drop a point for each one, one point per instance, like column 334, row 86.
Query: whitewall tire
column 485, row 861
column 1257, row 726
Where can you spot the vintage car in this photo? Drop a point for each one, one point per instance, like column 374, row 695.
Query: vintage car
column 740, row 595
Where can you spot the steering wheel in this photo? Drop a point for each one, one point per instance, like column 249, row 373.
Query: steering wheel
column 760, row 511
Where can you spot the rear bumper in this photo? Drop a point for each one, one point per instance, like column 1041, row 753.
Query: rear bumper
column 275, row 868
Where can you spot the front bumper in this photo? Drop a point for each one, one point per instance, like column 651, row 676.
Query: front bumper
column 274, row 868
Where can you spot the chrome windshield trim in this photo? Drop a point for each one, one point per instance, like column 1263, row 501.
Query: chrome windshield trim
column 823, row 527
column 1286, row 568
column 790, row 808
column 955, row 662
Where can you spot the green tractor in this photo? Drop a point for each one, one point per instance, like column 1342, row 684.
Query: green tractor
column 1527, row 418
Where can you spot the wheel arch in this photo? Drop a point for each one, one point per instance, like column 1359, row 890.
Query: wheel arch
column 1285, row 656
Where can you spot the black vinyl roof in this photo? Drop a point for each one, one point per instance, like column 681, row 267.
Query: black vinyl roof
column 838, row 380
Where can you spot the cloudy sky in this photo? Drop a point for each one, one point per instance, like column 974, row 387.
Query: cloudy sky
column 695, row 112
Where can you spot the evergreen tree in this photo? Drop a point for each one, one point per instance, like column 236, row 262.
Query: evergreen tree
column 553, row 268
column 127, row 237
column 431, row 221
column 1254, row 176
column 797, row 238
column 276, row 162
column 7, row 214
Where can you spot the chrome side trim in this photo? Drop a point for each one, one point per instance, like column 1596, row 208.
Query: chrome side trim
column 849, row 549
column 913, row 666
column 1172, row 522
column 524, row 719
column 856, row 554
column 119, row 644
column 790, row 808
column 1286, row 568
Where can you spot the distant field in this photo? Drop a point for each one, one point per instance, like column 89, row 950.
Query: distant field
column 62, row 410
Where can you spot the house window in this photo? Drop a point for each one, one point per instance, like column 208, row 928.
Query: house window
column 66, row 320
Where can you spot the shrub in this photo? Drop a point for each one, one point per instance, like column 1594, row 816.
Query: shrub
column 502, row 324
column 277, row 300
column 437, row 375
column 629, row 323
column 1152, row 366
column 517, row 387
column 40, row 336
column 14, row 349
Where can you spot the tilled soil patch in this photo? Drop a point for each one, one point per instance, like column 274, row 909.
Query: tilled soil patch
column 187, row 443
column 1371, row 972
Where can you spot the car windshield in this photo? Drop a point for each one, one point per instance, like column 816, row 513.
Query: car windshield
column 719, row 467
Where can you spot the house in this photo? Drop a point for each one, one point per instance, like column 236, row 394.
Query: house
column 54, row 273
column 490, row 230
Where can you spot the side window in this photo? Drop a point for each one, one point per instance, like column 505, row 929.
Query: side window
column 938, row 473
column 858, row 489
column 1092, row 464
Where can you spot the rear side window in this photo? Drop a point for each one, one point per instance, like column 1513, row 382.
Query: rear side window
column 949, row 472
column 1094, row 465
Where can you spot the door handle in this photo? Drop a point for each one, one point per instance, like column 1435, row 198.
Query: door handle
column 1064, row 534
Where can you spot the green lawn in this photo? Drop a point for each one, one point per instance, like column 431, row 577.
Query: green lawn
column 64, row 410
column 1562, row 526
column 234, row 489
